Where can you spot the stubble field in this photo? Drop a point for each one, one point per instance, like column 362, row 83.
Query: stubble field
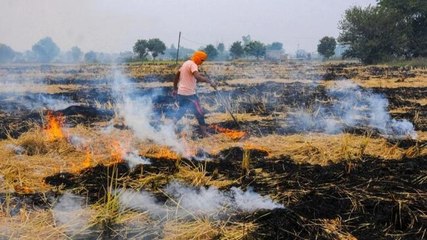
column 297, row 150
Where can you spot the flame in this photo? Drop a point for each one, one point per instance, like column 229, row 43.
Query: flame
column 117, row 152
column 53, row 128
column 161, row 152
column 232, row 134
column 88, row 160
column 252, row 146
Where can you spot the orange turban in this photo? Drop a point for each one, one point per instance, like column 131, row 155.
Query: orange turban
column 198, row 57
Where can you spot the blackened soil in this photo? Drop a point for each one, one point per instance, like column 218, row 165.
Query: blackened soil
column 95, row 182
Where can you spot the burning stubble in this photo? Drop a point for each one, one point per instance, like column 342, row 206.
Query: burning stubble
column 352, row 107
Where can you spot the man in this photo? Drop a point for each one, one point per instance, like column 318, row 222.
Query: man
column 184, row 87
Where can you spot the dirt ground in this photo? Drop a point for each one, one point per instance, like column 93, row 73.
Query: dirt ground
column 339, row 146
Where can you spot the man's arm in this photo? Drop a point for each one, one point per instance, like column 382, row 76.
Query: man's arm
column 202, row 78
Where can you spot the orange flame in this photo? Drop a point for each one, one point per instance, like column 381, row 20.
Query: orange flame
column 88, row 160
column 117, row 152
column 252, row 146
column 54, row 127
column 233, row 134
column 161, row 152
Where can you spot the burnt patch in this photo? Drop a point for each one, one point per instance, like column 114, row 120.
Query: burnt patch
column 85, row 114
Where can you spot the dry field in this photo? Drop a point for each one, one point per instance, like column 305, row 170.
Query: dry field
column 296, row 151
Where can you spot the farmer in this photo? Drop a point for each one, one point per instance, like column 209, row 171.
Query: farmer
column 184, row 88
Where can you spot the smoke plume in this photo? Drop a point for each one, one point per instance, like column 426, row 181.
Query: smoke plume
column 138, row 114
column 352, row 107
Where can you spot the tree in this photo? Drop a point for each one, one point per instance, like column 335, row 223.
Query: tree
column 256, row 49
column 76, row 54
column 246, row 40
column 236, row 50
column 141, row 48
column 326, row 47
column 412, row 19
column 275, row 46
column 155, row 46
column 220, row 48
column 90, row 57
column 372, row 34
column 211, row 51
column 45, row 50
column 6, row 53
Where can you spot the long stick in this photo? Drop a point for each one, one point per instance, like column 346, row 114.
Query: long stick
column 177, row 51
column 225, row 105
column 223, row 102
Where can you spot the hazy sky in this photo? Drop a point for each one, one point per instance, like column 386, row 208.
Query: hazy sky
column 115, row 25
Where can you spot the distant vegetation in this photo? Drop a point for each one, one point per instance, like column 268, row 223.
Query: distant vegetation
column 393, row 31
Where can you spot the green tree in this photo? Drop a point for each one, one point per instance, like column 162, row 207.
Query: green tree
column 236, row 50
column 326, row 47
column 371, row 34
column 275, row 46
column 220, row 48
column 412, row 19
column 211, row 51
column 155, row 46
column 90, row 57
column 255, row 48
column 76, row 54
column 6, row 53
column 141, row 48
column 45, row 50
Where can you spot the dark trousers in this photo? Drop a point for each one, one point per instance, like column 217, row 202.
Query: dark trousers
column 191, row 103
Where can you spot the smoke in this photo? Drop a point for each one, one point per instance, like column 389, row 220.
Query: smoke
column 34, row 102
column 199, row 201
column 70, row 214
column 141, row 201
column 196, row 201
column 250, row 201
column 133, row 159
column 352, row 107
column 137, row 113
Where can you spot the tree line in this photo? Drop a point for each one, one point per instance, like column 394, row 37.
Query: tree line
column 392, row 29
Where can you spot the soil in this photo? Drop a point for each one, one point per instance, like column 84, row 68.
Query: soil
column 370, row 198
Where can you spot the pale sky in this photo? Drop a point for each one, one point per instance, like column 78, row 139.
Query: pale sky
column 115, row 25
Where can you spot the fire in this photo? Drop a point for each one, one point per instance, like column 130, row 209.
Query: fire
column 252, row 146
column 161, row 152
column 53, row 127
column 233, row 134
column 88, row 160
column 117, row 152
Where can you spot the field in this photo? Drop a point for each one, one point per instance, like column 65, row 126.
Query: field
column 296, row 150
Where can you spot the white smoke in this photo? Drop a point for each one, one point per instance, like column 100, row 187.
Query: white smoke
column 78, row 142
column 69, row 213
column 352, row 107
column 196, row 201
column 199, row 201
column 133, row 159
column 141, row 201
column 138, row 115
column 250, row 201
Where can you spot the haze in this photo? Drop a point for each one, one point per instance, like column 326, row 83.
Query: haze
column 114, row 26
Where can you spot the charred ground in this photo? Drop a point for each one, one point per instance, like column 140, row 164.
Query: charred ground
column 362, row 196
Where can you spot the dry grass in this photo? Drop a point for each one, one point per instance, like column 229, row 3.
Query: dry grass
column 204, row 228
column 31, row 225
column 198, row 176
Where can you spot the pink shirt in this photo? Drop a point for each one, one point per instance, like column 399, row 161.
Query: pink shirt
column 187, row 81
